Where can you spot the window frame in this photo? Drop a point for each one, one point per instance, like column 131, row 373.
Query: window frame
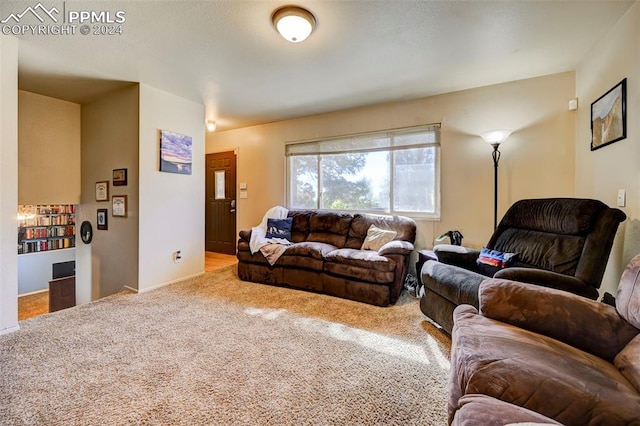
column 391, row 149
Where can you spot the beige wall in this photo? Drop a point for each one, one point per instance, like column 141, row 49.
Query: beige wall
column 171, row 205
column 109, row 141
column 9, row 184
column 537, row 160
column 48, row 150
column 599, row 174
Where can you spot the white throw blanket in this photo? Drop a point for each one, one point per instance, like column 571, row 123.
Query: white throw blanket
column 271, row 248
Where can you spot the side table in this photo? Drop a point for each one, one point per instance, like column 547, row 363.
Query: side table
column 62, row 293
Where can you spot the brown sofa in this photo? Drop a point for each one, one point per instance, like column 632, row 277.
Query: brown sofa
column 532, row 349
column 326, row 257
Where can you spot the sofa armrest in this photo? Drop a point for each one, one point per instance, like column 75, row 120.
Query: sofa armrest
column 585, row 324
column 245, row 234
column 396, row 247
column 548, row 279
column 463, row 257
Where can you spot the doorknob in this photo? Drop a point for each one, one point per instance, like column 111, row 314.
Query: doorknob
column 233, row 206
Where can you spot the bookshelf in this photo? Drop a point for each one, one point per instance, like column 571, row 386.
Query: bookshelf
column 46, row 227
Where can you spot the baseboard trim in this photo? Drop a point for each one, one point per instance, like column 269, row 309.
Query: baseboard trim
column 155, row 287
column 10, row 330
column 126, row 287
column 33, row 292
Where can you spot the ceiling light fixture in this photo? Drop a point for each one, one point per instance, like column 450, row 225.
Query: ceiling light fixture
column 211, row 126
column 293, row 23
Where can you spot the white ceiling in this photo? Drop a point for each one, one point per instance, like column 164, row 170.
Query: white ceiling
column 227, row 56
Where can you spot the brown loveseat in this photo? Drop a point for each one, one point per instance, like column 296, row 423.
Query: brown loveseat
column 533, row 349
column 326, row 256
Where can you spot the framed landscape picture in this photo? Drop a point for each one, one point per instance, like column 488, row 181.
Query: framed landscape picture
column 609, row 117
column 175, row 153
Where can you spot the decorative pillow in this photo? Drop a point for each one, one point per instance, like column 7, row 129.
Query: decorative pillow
column 495, row 258
column 279, row 228
column 377, row 237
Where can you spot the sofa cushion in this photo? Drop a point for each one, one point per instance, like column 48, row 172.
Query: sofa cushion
column 542, row 250
column 330, row 228
column 377, row 237
column 564, row 216
column 310, row 248
column 358, row 273
column 537, row 373
column 246, row 257
column 363, row 265
column 361, row 258
column 301, row 262
column 300, row 224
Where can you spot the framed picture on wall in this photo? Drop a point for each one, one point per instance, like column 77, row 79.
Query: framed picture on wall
column 175, row 152
column 101, row 219
column 119, row 206
column 102, row 191
column 609, row 117
column 120, row 177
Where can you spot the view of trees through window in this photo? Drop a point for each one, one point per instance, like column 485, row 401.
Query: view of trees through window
column 397, row 179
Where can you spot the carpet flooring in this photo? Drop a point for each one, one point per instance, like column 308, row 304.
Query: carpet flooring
column 214, row 350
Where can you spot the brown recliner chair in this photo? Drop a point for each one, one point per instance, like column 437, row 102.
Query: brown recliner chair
column 563, row 243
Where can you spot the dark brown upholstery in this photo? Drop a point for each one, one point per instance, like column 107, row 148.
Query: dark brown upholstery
column 562, row 243
column 326, row 257
column 571, row 359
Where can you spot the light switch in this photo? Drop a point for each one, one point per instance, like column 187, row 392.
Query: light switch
column 243, row 186
column 243, row 194
column 622, row 198
column 573, row 104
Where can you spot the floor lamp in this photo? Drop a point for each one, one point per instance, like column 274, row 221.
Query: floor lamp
column 495, row 138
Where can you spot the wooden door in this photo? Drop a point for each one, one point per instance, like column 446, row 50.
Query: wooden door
column 220, row 227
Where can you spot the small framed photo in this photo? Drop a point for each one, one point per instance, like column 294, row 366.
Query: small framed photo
column 609, row 117
column 102, row 191
column 119, row 177
column 119, row 206
column 101, row 219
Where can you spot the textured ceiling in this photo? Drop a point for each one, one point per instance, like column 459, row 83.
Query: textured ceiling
column 226, row 54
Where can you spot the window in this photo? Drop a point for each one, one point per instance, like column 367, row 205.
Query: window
column 394, row 172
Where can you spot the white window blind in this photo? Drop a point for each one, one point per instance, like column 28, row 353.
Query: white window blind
column 395, row 171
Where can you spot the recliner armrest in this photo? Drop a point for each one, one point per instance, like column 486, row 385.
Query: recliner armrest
column 463, row 257
column 548, row 279
column 585, row 324
column 396, row 247
column 245, row 234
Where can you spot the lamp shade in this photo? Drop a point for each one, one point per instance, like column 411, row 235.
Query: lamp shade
column 496, row 136
column 293, row 23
